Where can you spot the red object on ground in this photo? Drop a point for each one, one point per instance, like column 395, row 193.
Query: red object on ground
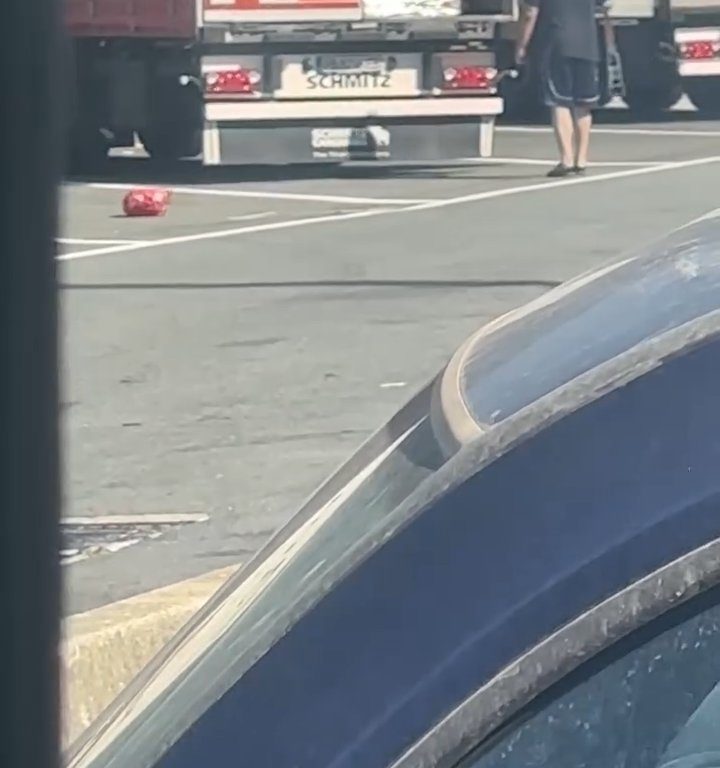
column 146, row 201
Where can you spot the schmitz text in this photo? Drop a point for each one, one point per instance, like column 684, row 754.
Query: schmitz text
column 349, row 80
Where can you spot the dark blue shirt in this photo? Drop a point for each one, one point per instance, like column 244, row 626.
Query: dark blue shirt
column 569, row 27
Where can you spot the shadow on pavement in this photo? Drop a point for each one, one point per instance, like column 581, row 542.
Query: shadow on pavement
column 139, row 170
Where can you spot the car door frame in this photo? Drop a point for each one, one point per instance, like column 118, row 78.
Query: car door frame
column 498, row 703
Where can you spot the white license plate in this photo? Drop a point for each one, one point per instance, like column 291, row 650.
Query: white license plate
column 349, row 77
column 330, row 64
column 370, row 142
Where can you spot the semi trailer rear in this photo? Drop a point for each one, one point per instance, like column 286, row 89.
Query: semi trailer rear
column 696, row 34
column 282, row 81
column 669, row 47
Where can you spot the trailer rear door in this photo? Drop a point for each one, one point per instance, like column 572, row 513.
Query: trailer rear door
column 215, row 11
column 131, row 18
column 263, row 11
column 632, row 9
column 694, row 5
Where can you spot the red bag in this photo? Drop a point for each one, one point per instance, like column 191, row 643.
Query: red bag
column 146, row 201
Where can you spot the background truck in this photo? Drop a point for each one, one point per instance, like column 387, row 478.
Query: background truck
column 667, row 47
column 643, row 37
column 274, row 81
column 696, row 34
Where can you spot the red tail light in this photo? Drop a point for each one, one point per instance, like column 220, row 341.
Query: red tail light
column 699, row 49
column 471, row 78
column 233, row 82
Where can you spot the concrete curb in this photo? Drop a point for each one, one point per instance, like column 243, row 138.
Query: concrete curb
column 103, row 649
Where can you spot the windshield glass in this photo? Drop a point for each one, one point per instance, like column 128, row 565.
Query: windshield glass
column 635, row 300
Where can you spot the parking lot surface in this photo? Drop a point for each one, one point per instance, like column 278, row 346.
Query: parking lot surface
column 221, row 360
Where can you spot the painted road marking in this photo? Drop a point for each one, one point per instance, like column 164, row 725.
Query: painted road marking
column 529, row 188
column 711, row 214
column 253, row 216
column 216, row 234
column 92, row 241
column 428, row 205
column 151, row 518
column 261, row 194
column 616, row 131
column 548, row 161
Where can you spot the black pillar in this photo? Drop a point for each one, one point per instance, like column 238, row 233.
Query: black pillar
column 30, row 157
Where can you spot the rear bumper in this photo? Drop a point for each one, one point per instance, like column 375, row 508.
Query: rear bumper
column 246, row 144
column 364, row 110
column 698, row 67
column 300, row 132
column 709, row 68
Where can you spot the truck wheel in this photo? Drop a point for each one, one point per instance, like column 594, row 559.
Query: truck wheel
column 88, row 151
column 174, row 129
column 523, row 97
column 652, row 101
column 704, row 92
column 167, row 142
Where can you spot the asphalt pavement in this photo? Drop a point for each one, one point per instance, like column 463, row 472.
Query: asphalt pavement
column 221, row 361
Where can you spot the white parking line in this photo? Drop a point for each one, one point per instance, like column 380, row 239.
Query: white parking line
column 216, row 234
column 713, row 213
column 548, row 161
column 72, row 559
column 253, row 216
column 444, row 203
column 262, row 194
column 616, row 131
column 87, row 241
column 151, row 518
column 529, row 188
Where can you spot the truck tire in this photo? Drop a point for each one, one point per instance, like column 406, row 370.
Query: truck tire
column 704, row 92
column 523, row 97
column 168, row 142
column 88, row 151
column 174, row 129
column 652, row 84
column 86, row 147
column 651, row 102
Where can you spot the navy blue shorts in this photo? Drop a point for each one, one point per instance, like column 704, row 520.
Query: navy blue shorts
column 570, row 82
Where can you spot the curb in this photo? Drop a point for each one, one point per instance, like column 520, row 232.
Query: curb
column 103, row 649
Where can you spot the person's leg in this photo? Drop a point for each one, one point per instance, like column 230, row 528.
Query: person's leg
column 557, row 86
column 583, row 124
column 564, row 133
column 586, row 93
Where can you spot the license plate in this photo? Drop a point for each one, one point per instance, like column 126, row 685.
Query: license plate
column 372, row 142
column 329, row 64
column 348, row 76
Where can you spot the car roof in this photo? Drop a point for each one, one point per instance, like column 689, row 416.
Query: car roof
column 526, row 354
